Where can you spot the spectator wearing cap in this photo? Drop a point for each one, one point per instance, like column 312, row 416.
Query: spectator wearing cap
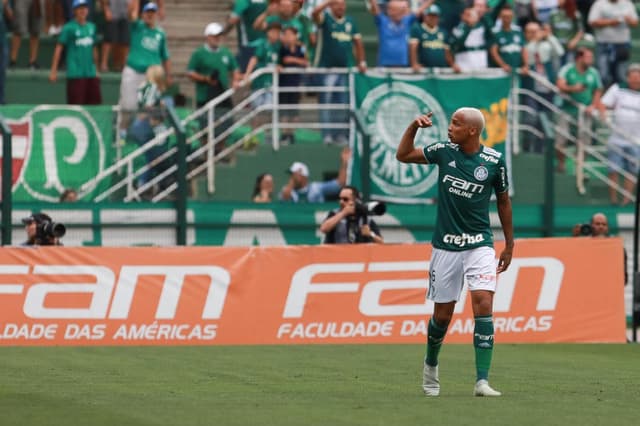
column 116, row 35
column 508, row 50
column 339, row 45
column 212, row 66
column 148, row 47
column 78, row 37
column 243, row 15
column 300, row 190
column 26, row 22
column 393, row 31
column 428, row 45
column 214, row 69
column 624, row 149
column 159, row 4
column 471, row 39
column 611, row 21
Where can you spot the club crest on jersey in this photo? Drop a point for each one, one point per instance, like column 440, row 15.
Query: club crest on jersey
column 481, row 173
column 388, row 108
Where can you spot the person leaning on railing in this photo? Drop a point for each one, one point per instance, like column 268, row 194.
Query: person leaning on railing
column 214, row 69
column 624, row 143
column 581, row 81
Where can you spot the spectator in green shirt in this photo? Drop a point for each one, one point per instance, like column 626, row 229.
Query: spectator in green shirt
column 214, row 69
column 583, row 85
column 566, row 25
column 428, row 45
column 267, row 54
column 285, row 12
column 148, row 47
column 78, row 38
column 243, row 15
column 508, row 50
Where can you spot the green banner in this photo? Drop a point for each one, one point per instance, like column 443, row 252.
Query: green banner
column 57, row 147
column 388, row 105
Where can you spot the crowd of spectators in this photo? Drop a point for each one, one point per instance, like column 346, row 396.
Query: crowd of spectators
column 582, row 46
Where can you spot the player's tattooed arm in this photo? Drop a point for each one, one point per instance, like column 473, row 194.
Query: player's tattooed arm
column 407, row 152
column 506, row 219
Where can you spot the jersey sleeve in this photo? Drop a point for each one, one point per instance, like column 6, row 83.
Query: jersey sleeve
column 65, row 35
column 414, row 33
column 354, row 29
column 433, row 153
column 193, row 62
column 598, row 80
column 239, row 7
column 164, row 50
column 501, row 181
column 233, row 62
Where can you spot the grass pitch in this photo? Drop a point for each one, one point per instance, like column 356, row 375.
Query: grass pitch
column 316, row 385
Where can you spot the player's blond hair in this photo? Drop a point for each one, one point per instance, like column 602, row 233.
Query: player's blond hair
column 472, row 116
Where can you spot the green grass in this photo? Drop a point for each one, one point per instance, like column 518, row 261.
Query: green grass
column 316, row 385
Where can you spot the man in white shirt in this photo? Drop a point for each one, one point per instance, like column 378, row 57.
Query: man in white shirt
column 611, row 20
column 624, row 142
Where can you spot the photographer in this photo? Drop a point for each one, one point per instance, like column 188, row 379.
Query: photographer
column 598, row 228
column 42, row 230
column 350, row 224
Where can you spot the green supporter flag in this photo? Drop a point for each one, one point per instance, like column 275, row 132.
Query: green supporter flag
column 388, row 104
column 58, row 147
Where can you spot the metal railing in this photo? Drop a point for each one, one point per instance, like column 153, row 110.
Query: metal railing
column 207, row 121
column 590, row 140
column 7, row 181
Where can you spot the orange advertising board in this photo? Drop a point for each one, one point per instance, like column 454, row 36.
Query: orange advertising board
column 556, row 290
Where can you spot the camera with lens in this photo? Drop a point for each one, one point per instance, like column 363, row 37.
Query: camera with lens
column 371, row 208
column 586, row 230
column 47, row 232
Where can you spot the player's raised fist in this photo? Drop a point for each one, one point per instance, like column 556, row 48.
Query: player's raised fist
column 424, row 120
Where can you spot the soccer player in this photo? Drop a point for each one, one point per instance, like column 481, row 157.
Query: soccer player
column 462, row 241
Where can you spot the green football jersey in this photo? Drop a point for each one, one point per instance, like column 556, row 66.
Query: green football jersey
column 148, row 47
column 267, row 54
column 79, row 42
column 431, row 45
column 510, row 44
column 207, row 62
column 335, row 41
column 464, row 191
column 295, row 22
column 590, row 79
column 248, row 11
